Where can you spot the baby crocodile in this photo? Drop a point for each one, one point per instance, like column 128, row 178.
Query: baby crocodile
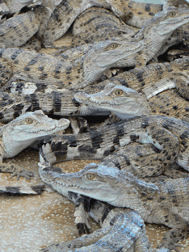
column 164, row 202
column 136, row 14
column 21, row 133
column 90, row 61
column 165, row 86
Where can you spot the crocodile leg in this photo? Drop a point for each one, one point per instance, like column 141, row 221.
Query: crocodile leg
column 9, row 167
column 16, row 171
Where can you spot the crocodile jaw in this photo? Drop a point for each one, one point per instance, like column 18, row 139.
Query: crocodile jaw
column 25, row 129
column 128, row 105
column 76, row 182
column 168, row 25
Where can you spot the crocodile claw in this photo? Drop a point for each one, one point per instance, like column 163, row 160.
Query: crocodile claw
column 22, row 173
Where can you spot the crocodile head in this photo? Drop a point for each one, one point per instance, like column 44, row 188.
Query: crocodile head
column 166, row 21
column 25, row 129
column 109, row 184
column 122, row 101
column 176, row 3
column 107, row 54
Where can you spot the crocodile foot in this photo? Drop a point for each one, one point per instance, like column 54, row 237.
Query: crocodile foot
column 22, row 173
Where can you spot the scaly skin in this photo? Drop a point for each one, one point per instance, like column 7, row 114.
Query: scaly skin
column 85, row 68
column 19, row 29
column 16, row 31
column 135, row 158
column 21, row 133
column 34, row 96
column 61, row 102
column 165, row 86
column 66, row 12
column 164, row 202
column 183, row 31
column 98, row 24
column 133, row 13
column 74, row 72
column 169, row 137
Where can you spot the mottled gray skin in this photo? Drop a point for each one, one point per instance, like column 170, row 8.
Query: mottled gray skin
column 167, row 135
column 98, row 24
column 163, row 88
column 21, row 133
column 71, row 70
column 67, row 11
column 88, row 64
column 145, row 80
column 17, row 30
column 32, row 96
column 164, row 202
column 116, row 223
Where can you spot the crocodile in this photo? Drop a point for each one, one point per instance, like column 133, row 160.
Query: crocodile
column 75, row 72
column 21, row 133
column 164, row 202
column 167, row 135
column 17, row 30
column 99, row 212
column 66, row 12
column 33, row 96
column 97, row 24
column 133, row 13
column 139, row 159
column 164, row 86
column 151, row 32
column 85, row 68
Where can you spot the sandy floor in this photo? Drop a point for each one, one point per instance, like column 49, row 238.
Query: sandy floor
column 28, row 223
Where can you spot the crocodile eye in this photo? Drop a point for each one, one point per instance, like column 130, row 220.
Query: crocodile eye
column 111, row 46
column 172, row 14
column 118, row 92
column 28, row 120
column 114, row 45
column 90, row 176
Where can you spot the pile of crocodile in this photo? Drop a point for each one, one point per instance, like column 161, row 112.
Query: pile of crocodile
column 117, row 92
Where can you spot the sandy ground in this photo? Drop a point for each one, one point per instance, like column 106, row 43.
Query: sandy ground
column 28, row 223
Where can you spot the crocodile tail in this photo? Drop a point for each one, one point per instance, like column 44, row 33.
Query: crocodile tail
column 16, row 190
